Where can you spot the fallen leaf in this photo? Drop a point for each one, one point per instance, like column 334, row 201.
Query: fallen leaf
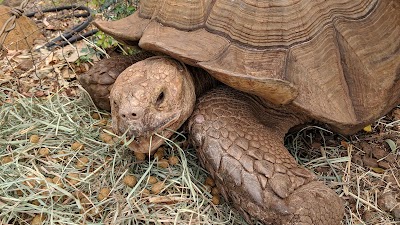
column 368, row 128
column 392, row 145
column 377, row 170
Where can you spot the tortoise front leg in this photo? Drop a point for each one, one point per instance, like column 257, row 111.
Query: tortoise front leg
column 99, row 79
column 240, row 142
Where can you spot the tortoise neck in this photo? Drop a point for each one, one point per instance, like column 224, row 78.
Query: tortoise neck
column 202, row 80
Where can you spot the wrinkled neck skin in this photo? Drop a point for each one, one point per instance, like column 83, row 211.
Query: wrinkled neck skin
column 152, row 98
column 202, row 80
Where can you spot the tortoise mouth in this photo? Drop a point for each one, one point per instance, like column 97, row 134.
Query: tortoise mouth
column 146, row 144
column 148, row 140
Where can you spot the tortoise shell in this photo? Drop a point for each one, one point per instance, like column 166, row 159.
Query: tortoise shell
column 336, row 61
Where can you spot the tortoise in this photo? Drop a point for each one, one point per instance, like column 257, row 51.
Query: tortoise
column 242, row 73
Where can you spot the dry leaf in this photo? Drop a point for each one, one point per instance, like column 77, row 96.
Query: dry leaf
column 368, row 128
column 377, row 170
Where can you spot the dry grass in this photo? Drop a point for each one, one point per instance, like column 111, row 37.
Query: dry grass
column 332, row 158
column 63, row 186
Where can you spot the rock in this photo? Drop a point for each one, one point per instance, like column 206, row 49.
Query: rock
column 391, row 158
column 370, row 162
column 357, row 160
column 366, row 148
column 384, row 164
column 390, row 178
column 379, row 153
column 370, row 216
column 396, row 212
column 388, row 202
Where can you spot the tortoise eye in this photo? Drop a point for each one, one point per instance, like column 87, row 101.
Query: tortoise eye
column 160, row 98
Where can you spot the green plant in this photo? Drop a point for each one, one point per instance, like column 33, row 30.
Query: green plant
column 122, row 10
column 105, row 41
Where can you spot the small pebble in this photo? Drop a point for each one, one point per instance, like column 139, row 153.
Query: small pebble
column 95, row 116
column 390, row 179
column 384, row 164
column 215, row 200
column 163, row 163
column 157, row 187
column 209, row 181
column 130, row 180
column 38, row 220
column 76, row 146
column 379, row 153
column 369, row 216
column 62, row 154
column 370, row 162
column 159, row 153
column 103, row 193
column 85, row 202
column 34, row 138
column 73, row 178
column 152, row 180
column 173, row 160
column 357, row 159
column 391, row 158
column 366, row 148
column 102, row 123
column 106, row 138
column 145, row 192
column 82, row 162
column 215, row 191
column 44, row 152
column 140, row 156
column 6, row 159
column 19, row 193
column 387, row 202
column 396, row 212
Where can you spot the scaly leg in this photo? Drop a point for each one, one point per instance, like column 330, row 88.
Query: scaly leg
column 240, row 142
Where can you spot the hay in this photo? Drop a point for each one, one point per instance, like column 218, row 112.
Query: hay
column 65, row 191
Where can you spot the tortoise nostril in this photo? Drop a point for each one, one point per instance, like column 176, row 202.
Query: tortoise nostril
column 131, row 113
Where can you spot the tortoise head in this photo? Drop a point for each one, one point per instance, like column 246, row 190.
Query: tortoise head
column 150, row 100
